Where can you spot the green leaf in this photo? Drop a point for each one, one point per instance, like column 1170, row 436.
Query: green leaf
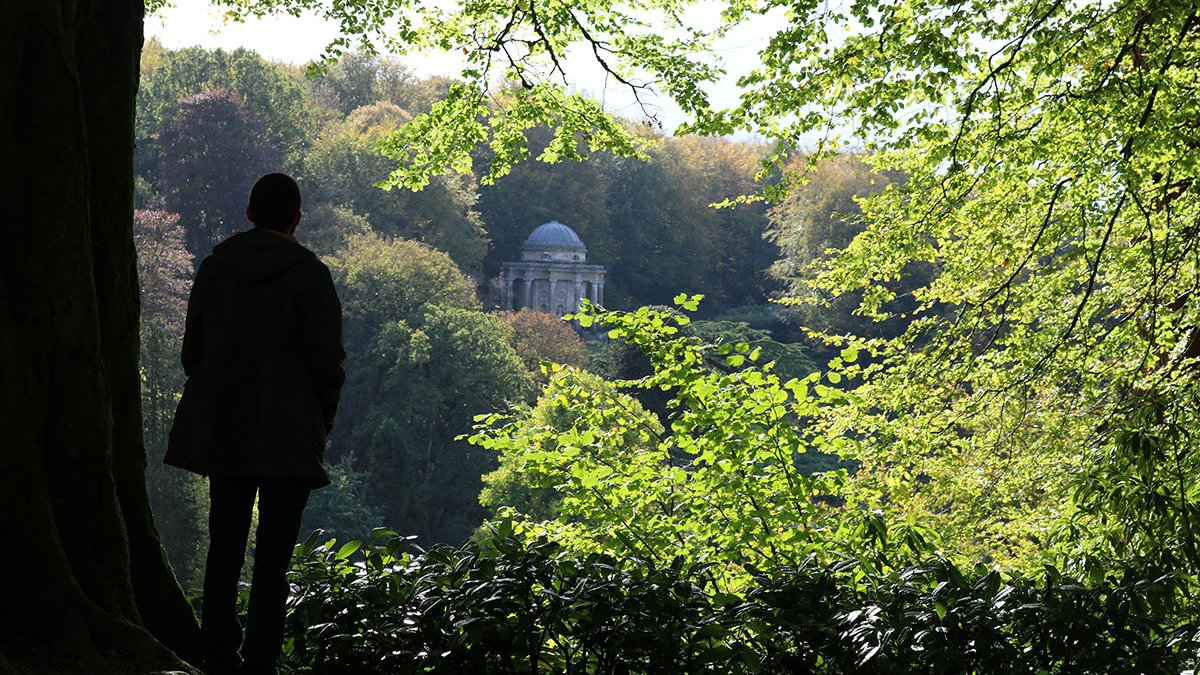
column 347, row 549
column 940, row 608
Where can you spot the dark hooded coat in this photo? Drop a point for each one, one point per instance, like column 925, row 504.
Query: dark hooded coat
column 262, row 351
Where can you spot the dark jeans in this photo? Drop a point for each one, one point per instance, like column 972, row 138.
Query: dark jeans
column 280, row 504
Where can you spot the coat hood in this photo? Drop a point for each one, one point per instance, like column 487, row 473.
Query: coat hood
column 258, row 256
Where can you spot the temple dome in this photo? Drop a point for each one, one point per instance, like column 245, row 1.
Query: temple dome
column 553, row 275
column 553, row 236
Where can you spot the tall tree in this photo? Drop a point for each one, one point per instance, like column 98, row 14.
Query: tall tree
column 212, row 154
column 435, row 371
column 728, row 240
column 88, row 579
column 358, row 80
column 427, row 362
column 177, row 498
column 824, row 215
column 539, row 336
column 538, row 192
column 275, row 92
column 650, row 249
column 344, row 166
column 1050, row 152
column 381, row 280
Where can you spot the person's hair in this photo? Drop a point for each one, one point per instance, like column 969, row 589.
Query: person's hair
column 274, row 202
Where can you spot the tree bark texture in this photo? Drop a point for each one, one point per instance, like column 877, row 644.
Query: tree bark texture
column 86, row 585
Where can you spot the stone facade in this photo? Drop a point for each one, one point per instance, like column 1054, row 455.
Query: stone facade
column 553, row 274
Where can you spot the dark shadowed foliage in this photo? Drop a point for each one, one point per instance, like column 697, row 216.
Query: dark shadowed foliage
column 506, row 605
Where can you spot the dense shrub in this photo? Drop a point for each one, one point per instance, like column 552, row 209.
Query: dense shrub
column 503, row 605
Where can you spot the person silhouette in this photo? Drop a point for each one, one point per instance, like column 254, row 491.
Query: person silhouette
column 262, row 351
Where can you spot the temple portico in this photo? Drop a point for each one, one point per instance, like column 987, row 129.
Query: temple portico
column 553, row 275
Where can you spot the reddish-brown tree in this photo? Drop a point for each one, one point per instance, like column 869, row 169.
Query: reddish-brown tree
column 538, row 337
column 215, row 148
column 178, row 498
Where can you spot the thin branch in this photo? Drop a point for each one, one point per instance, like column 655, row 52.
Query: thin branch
column 547, row 44
column 599, row 46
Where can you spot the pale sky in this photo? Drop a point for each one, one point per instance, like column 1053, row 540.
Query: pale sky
column 298, row 41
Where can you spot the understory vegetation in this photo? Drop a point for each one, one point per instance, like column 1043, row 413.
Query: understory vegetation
column 511, row 604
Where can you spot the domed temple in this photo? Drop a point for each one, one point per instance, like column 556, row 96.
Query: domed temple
column 553, row 275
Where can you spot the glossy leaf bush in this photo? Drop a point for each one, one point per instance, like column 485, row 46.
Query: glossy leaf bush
column 506, row 604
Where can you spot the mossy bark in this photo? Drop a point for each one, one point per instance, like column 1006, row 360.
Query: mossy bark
column 85, row 578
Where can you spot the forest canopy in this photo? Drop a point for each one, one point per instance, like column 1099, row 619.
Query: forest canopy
column 1020, row 260
column 417, row 271
column 1000, row 283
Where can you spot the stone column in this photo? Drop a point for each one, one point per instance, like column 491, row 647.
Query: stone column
column 600, row 292
column 578, row 294
column 527, row 294
column 553, row 296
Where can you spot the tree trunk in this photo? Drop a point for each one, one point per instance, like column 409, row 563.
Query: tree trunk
column 86, row 585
